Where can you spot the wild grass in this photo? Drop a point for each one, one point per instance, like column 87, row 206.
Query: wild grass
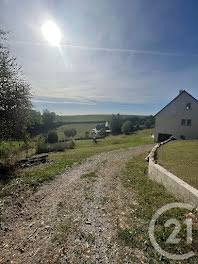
column 88, row 175
column 125, row 236
column 12, row 151
column 151, row 196
column 181, row 158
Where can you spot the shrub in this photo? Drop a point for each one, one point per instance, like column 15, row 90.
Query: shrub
column 55, row 147
column 45, row 147
column 71, row 144
column 52, row 137
column 70, row 132
column 127, row 127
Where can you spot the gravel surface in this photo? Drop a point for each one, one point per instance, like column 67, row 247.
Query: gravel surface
column 74, row 218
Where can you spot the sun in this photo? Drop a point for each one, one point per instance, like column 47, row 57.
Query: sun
column 51, row 33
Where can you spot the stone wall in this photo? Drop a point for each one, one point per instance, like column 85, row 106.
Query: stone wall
column 180, row 189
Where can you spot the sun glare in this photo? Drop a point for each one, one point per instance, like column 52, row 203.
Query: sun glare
column 52, row 33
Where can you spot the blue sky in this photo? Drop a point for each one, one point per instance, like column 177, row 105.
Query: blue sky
column 129, row 56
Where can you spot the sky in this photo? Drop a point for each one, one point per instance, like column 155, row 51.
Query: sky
column 130, row 56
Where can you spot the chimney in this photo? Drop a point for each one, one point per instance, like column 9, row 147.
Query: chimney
column 181, row 91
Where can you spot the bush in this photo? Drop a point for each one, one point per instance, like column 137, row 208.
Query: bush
column 127, row 127
column 45, row 147
column 71, row 144
column 55, row 147
column 70, row 132
column 52, row 137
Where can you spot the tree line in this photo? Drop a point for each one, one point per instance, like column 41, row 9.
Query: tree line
column 127, row 125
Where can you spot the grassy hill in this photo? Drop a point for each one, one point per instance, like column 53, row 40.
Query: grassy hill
column 80, row 128
column 90, row 118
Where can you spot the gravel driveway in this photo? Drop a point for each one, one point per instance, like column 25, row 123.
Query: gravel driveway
column 74, row 218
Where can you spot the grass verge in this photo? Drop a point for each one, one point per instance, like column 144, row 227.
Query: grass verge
column 150, row 197
column 181, row 158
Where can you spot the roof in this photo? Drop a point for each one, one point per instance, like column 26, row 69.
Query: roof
column 175, row 99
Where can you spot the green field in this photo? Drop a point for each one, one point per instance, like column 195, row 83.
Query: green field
column 80, row 128
column 64, row 160
column 90, row 118
column 181, row 158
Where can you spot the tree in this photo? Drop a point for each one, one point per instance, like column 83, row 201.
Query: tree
column 70, row 132
column 147, row 124
column 14, row 96
column 34, row 122
column 127, row 127
column 48, row 118
column 116, row 124
column 52, row 137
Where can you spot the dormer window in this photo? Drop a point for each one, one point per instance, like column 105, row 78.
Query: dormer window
column 188, row 106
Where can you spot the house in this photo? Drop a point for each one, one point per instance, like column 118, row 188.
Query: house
column 179, row 119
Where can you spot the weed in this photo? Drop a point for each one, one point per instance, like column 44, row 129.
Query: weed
column 105, row 200
column 90, row 176
column 63, row 229
column 103, row 163
column 88, row 237
column 88, row 197
column 60, row 204
column 125, row 236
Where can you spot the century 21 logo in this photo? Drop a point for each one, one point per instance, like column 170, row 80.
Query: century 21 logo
column 172, row 239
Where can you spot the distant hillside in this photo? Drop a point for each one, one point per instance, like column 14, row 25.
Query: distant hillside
column 91, row 118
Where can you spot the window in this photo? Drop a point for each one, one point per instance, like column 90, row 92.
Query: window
column 183, row 122
column 189, row 122
column 188, row 106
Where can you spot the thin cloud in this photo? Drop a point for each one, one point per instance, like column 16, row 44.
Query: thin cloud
column 131, row 51
column 79, row 102
column 43, row 101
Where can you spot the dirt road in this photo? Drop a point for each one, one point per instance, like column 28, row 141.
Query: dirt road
column 74, row 218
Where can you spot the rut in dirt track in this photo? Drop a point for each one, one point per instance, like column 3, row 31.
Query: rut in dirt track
column 73, row 219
